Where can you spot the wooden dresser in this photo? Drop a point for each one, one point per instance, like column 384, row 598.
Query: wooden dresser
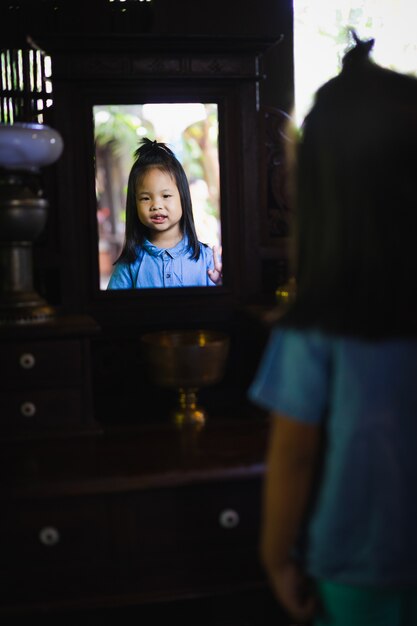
column 131, row 516
column 45, row 382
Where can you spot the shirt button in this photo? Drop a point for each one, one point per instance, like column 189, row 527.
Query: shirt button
column 168, row 275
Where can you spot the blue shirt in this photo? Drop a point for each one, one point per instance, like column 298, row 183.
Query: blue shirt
column 164, row 267
column 363, row 527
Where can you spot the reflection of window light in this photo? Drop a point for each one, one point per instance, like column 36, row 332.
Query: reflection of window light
column 26, row 73
column 31, row 73
column 173, row 118
column 101, row 117
column 20, row 69
column 48, row 67
column 321, row 38
column 213, row 133
column 38, row 76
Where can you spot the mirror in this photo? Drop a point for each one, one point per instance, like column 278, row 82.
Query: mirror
column 190, row 130
column 223, row 75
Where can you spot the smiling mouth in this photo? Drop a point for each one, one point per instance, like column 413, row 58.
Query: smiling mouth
column 158, row 219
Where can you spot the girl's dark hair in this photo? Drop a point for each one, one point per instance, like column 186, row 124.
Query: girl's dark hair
column 355, row 201
column 151, row 154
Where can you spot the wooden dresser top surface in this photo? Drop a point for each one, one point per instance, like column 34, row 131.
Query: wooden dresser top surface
column 131, row 458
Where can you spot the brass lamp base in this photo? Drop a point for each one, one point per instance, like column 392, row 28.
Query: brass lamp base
column 14, row 316
column 188, row 413
column 23, row 213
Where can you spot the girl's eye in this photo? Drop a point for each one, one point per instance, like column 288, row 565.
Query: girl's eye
column 143, row 199
column 167, row 195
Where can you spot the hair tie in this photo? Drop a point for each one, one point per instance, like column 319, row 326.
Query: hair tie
column 359, row 54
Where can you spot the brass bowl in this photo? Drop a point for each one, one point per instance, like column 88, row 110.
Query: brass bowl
column 186, row 360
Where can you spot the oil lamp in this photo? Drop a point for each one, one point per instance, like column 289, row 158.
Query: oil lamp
column 26, row 145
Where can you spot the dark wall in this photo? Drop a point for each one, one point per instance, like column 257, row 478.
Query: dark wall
column 260, row 18
column 225, row 17
column 269, row 19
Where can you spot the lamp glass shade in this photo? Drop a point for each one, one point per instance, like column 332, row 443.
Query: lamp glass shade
column 28, row 146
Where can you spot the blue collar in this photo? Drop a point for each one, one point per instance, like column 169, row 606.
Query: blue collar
column 174, row 252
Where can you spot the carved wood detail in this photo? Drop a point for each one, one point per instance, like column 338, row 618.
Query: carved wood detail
column 275, row 178
column 127, row 66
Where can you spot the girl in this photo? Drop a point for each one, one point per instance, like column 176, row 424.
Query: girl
column 339, row 371
column 161, row 248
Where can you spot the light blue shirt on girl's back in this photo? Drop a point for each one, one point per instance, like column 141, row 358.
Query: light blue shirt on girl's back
column 164, row 267
column 363, row 529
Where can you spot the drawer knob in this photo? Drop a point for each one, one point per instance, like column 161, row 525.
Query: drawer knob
column 49, row 536
column 229, row 518
column 27, row 361
column 28, row 409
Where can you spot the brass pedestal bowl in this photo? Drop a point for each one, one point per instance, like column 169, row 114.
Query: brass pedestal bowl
column 186, row 360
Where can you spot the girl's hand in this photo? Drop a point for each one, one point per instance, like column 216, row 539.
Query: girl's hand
column 215, row 274
column 295, row 592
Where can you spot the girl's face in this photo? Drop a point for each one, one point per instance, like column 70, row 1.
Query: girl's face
column 158, row 204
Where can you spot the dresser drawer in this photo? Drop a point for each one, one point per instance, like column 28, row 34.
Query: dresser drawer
column 203, row 534
column 30, row 409
column 59, row 535
column 46, row 362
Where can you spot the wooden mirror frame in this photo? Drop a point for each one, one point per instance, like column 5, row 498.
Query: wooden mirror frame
column 153, row 69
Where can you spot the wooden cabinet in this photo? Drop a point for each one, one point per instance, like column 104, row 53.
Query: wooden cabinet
column 53, row 537
column 45, row 386
column 142, row 516
column 205, row 535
